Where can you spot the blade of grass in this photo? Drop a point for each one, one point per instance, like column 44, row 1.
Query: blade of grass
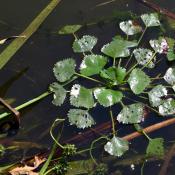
column 7, row 54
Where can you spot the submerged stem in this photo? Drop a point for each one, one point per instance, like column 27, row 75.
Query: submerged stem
column 112, row 121
column 92, row 144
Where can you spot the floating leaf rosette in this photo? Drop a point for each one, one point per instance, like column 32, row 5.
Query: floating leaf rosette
column 116, row 80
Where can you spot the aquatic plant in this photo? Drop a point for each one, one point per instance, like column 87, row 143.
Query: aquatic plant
column 113, row 80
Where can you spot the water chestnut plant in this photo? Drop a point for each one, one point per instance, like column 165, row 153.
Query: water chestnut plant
column 112, row 80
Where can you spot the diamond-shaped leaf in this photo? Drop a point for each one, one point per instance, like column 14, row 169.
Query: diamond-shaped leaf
column 92, row 64
column 171, row 54
column 81, row 97
column 159, row 46
column 114, row 74
column 155, row 147
column 69, row 29
column 138, row 81
column 85, row 44
column 155, row 95
column 63, row 70
column 130, row 28
column 167, row 107
column 171, row 50
column 59, row 94
column 170, row 76
column 107, row 97
column 116, row 146
column 150, row 20
column 130, row 114
column 118, row 48
column 143, row 57
column 81, row 118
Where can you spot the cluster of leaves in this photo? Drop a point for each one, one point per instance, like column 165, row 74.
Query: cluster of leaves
column 109, row 92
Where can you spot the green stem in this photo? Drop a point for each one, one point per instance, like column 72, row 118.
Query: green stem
column 128, row 72
column 119, row 62
column 137, row 45
column 51, row 132
column 112, row 121
column 28, row 103
column 89, row 78
column 149, row 60
column 114, row 60
column 45, row 166
column 92, row 144
column 146, row 135
column 142, row 35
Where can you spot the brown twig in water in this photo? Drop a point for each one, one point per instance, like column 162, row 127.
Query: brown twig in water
column 157, row 8
column 150, row 129
column 167, row 160
column 13, row 110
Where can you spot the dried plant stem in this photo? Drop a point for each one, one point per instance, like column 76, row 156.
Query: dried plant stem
column 150, row 129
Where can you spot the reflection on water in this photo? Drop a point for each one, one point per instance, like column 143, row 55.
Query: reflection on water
column 29, row 73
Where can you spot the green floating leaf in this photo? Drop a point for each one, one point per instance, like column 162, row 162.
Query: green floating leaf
column 129, row 28
column 143, row 57
column 159, row 46
column 138, row 81
column 107, row 97
column 92, row 64
column 81, row 97
column 150, row 20
column 81, row 118
column 118, row 48
column 170, row 76
column 171, row 54
column 131, row 114
column 171, row 51
column 155, row 95
column 116, row 146
column 59, row 94
column 167, row 107
column 85, row 44
column 114, row 74
column 155, row 148
column 69, row 29
column 63, row 70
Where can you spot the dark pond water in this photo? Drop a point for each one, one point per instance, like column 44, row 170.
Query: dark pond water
column 29, row 73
